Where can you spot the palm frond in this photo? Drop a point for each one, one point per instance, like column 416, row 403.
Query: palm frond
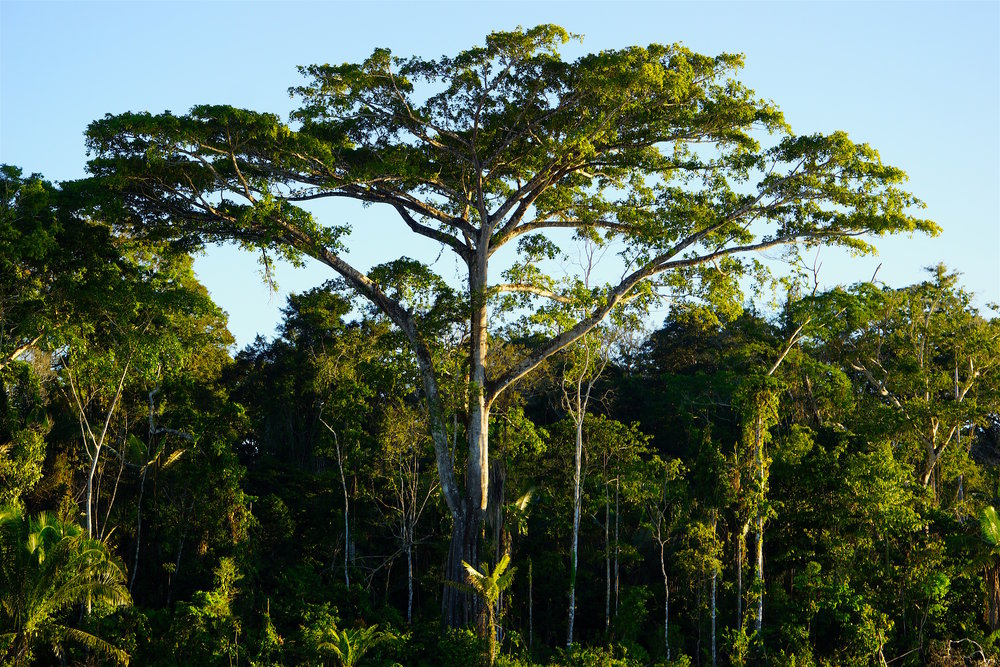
column 990, row 525
column 95, row 643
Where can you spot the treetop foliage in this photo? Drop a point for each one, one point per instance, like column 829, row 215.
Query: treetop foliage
column 655, row 145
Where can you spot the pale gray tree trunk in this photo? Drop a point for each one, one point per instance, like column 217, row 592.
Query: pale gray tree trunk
column 531, row 606
column 760, row 575
column 607, row 557
column 666, row 598
column 576, row 401
column 347, row 506
column 138, row 528
column 617, row 547
column 740, row 546
column 409, row 584
column 94, row 443
column 577, row 464
column 714, row 577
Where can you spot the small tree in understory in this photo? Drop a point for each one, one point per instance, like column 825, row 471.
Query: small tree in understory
column 650, row 150
column 48, row 566
column 663, row 504
column 488, row 585
column 405, row 488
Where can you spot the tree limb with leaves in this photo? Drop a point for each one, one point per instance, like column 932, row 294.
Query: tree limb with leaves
column 653, row 150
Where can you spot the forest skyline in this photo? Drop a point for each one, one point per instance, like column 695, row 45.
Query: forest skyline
column 868, row 69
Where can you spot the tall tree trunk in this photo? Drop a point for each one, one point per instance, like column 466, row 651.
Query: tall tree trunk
column 347, row 510
column 666, row 599
column 531, row 606
column 714, row 577
column 459, row 608
column 607, row 559
column 468, row 512
column 138, row 528
column 409, row 583
column 185, row 517
column 617, row 546
column 740, row 548
column 759, row 542
column 577, row 464
column 760, row 574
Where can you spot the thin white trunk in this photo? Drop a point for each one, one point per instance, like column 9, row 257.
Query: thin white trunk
column 577, row 463
column 94, row 443
column 666, row 599
column 740, row 540
column 760, row 574
column 714, row 577
column 138, row 528
column 617, row 548
column 409, row 584
column 759, row 537
column 531, row 606
column 347, row 508
column 607, row 560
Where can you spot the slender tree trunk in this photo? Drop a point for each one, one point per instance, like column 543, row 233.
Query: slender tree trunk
column 666, row 599
column 409, row 584
column 91, row 471
column 111, row 501
column 577, row 464
column 138, row 528
column 701, row 592
column 607, row 560
column 87, row 433
column 714, row 577
column 180, row 551
column 347, row 510
column 617, row 546
column 740, row 542
column 759, row 543
column 760, row 574
column 531, row 606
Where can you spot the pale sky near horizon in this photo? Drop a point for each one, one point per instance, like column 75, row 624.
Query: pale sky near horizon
column 920, row 82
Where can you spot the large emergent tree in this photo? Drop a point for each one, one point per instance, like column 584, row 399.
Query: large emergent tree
column 651, row 149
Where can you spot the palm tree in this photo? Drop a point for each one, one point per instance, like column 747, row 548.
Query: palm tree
column 488, row 586
column 350, row 645
column 990, row 525
column 46, row 567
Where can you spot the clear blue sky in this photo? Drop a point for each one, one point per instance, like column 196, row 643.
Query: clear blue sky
column 918, row 81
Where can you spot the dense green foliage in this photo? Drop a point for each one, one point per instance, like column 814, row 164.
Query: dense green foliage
column 815, row 486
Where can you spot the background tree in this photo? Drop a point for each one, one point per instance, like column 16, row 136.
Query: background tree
column 929, row 363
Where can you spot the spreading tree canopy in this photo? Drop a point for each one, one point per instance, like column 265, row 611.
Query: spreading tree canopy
column 655, row 150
